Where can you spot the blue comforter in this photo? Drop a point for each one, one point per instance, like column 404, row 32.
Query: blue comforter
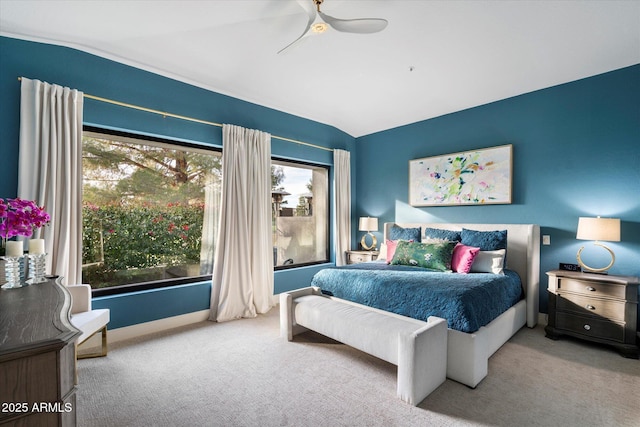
column 467, row 301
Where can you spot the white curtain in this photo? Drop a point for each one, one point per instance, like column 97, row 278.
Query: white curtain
column 243, row 266
column 50, row 169
column 342, row 183
column 210, row 223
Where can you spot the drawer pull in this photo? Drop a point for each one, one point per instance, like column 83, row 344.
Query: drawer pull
column 591, row 289
column 589, row 307
column 587, row 327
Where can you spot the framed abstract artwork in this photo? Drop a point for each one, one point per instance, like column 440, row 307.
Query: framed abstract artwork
column 478, row 177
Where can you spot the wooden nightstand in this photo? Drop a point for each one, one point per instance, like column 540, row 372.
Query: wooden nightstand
column 355, row 257
column 595, row 307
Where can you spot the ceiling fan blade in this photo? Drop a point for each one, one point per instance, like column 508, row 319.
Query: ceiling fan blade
column 309, row 8
column 361, row 26
column 304, row 35
column 311, row 13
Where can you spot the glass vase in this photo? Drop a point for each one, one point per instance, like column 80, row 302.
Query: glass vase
column 37, row 264
column 12, row 272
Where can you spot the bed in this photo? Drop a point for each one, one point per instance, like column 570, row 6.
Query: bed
column 472, row 337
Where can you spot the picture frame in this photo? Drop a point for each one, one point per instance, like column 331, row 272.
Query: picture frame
column 476, row 177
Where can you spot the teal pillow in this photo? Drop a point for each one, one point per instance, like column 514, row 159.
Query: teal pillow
column 399, row 233
column 435, row 256
column 485, row 240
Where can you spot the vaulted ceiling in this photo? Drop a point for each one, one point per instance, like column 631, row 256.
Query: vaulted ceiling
column 434, row 57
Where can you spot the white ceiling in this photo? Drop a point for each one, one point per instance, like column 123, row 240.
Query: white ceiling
column 462, row 53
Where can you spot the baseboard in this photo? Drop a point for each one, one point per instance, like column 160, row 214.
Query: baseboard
column 141, row 329
column 542, row 319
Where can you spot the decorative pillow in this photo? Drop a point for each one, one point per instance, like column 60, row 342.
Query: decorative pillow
column 382, row 253
column 398, row 233
column 463, row 257
column 391, row 249
column 485, row 240
column 436, row 256
column 489, row 262
column 435, row 240
column 437, row 233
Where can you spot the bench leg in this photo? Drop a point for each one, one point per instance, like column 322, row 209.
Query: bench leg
column 288, row 325
column 422, row 361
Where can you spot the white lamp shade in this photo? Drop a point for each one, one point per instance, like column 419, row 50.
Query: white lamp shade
column 368, row 224
column 604, row 229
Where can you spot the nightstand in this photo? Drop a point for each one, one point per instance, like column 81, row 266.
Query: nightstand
column 355, row 257
column 596, row 307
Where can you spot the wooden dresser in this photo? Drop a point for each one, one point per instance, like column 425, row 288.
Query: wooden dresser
column 37, row 356
column 595, row 307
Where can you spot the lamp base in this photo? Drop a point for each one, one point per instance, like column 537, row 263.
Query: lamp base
column 603, row 270
column 367, row 247
column 602, row 273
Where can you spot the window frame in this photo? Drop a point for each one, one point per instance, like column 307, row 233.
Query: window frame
column 165, row 283
column 327, row 258
column 158, row 141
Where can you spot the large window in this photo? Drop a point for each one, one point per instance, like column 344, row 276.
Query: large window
column 149, row 210
column 300, row 202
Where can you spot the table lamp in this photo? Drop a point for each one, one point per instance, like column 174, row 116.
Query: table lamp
column 598, row 229
column 368, row 224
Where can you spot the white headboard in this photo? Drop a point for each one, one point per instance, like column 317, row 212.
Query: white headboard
column 523, row 254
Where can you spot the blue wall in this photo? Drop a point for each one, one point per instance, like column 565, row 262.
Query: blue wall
column 576, row 152
column 108, row 79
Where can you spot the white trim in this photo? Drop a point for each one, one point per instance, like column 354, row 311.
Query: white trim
column 159, row 325
column 543, row 319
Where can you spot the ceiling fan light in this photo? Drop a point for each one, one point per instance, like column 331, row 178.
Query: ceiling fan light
column 319, row 27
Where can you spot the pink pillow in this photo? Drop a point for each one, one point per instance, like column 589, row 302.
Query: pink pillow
column 391, row 249
column 462, row 258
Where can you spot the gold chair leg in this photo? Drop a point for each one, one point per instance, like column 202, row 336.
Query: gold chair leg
column 103, row 346
column 104, row 341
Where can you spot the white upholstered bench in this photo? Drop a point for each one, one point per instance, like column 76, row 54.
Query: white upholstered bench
column 418, row 348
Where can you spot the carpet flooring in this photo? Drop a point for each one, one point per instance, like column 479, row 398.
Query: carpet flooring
column 241, row 373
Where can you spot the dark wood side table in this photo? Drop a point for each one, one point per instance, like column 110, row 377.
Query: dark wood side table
column 37, row 356
column 597, row 307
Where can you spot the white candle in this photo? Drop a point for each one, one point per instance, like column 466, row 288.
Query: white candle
column 36, row 246
column 14, row 249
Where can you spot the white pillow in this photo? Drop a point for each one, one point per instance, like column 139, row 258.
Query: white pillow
column 489, row 262
column 382, row 254
column 435, row 240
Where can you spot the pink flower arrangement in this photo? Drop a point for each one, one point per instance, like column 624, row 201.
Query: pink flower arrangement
column 20, row 217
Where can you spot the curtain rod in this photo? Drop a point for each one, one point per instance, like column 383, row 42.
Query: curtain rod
column 190, row 119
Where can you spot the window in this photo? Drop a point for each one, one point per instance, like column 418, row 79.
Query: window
column 149, row 210
column 300, row 213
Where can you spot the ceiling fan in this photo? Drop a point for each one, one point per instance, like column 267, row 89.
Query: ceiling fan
column 320, row 22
